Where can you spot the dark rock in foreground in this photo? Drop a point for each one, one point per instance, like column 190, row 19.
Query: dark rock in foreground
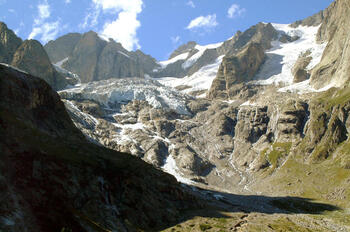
column 52, row 177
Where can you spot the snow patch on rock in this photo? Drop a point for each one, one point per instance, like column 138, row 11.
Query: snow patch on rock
column 303, row 87
column 170, row 167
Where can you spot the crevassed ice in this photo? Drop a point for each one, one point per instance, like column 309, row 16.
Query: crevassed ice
column 122, row 91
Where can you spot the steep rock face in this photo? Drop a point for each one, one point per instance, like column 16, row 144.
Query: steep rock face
column 146, row 62
column 93, row 58
column 114, row 60
column 85, row 56
column 53, row 179
column 32, row 58
column 313, row 20
column 9, row 43
column 62, row 47
column 237, row 69
column 334, row 66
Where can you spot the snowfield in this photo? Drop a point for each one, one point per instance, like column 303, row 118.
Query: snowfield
column 201, row 49
column 200, row 80
column 165, row 63
column 277, row 70
column 282, row 57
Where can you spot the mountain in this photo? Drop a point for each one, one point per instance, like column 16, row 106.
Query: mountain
column 259, row 122
column 53, row 179
column 62, row 47
column 334, row 67
column 93, row 58
column 268, row 115
column 30, row 56
column 9, row 43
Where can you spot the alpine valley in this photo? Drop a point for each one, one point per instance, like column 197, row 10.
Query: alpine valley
column 251, row 134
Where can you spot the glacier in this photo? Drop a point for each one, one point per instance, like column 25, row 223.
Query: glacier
column 121, row 91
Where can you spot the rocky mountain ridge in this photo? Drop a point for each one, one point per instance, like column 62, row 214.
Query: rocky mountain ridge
column 93, row 58
column 29, row 56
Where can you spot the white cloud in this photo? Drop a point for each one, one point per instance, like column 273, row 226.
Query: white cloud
column 47, row 30
column 175, row 39
column 12, row 11
column 191, row 4
column 208, row 21
column 44, row 12
column 67, row 1
column 124, row 28
column 235, row 11
column 91, row 19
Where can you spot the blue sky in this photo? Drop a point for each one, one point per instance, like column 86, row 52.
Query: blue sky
column 157, row 27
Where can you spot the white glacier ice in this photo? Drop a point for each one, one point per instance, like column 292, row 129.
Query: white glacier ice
column 121, row 91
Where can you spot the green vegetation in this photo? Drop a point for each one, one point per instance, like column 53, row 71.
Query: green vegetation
column 205, row 227
column 334, row 97
column 277, row 152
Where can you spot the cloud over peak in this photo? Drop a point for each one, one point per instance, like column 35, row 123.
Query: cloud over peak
column 207, row 22
column 235, row 11
column 47, row 30
column 124, row 28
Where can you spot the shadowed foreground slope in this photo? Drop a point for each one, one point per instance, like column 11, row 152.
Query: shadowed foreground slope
column 52, row 177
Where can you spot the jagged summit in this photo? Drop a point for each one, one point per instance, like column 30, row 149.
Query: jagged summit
column 93, row 58
column 30, row 56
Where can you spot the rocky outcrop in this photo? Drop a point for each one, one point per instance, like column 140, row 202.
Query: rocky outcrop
column 327, row 128
column 334, row 66
column 183, row 48
column 93, row 58
column 237, row 69
column 299, row 70
column 261, row 33
column 9, row 43
column 32, row 58
column 52, row 178
column 314, row 20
